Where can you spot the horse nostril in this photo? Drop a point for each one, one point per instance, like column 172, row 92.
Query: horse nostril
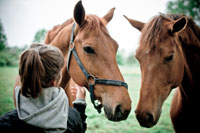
column 149, row 117
column 118, row 111
column 145, row 119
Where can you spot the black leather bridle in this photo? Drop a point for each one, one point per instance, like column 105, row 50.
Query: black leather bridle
column 91, row 79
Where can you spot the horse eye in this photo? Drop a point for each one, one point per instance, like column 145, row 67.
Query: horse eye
column 89, row 50
column 169, row 58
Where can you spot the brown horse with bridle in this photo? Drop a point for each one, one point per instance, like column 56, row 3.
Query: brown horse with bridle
column 169, row 57
column 90, row 55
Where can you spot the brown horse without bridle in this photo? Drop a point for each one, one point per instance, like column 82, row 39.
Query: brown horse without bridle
column 97, row 53
column 169, row 57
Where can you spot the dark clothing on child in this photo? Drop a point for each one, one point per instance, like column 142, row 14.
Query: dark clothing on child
column 49, row 113
column 10, row 122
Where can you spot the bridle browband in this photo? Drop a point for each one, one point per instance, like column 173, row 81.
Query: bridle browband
column 91, row 79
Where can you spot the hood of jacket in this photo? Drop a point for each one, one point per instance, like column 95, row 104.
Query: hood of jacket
column 48, row 111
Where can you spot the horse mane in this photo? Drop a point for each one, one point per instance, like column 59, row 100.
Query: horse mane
column 51, row 34
column 153, row 32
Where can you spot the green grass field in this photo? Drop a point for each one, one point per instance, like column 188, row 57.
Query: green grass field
column 97, row 123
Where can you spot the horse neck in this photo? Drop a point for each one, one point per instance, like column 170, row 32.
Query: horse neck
column 190, row 41
column 62, row 39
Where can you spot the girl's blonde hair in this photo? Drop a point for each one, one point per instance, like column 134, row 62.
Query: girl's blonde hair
column 39, row 66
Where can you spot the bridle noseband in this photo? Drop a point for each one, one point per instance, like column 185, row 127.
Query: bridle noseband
column 91, row 79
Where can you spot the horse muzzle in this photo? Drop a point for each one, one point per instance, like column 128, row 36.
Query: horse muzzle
column 117, row 113
column 146, row 119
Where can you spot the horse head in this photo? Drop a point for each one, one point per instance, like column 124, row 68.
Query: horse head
column 97, row 52
column 162, row 64
column 91, row 54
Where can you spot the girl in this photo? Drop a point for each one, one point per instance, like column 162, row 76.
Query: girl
column 40, row 104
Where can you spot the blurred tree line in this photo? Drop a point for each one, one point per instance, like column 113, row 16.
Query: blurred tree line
column 40, row 36
column 3, row 38
column 126, row 60
column 9, row 56
column 187, row 7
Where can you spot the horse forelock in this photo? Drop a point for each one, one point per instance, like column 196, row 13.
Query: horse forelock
column 93, row 23
column 154, row 32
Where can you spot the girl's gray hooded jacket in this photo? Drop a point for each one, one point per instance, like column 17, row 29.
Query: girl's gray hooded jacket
column 48, row 111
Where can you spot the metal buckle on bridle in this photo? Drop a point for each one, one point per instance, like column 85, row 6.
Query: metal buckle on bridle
column 71, row 45
column 91, row 79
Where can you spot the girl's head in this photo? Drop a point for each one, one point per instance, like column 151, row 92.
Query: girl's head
column 40, row 66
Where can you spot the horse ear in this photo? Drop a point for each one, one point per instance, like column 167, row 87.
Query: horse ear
column 109, row 15
column 137, row 24
column 79, row 13
column 179, row 25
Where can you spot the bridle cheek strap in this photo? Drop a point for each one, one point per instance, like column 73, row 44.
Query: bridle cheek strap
column 91, row 79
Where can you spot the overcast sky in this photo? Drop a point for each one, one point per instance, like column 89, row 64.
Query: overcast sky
column 23, row 18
